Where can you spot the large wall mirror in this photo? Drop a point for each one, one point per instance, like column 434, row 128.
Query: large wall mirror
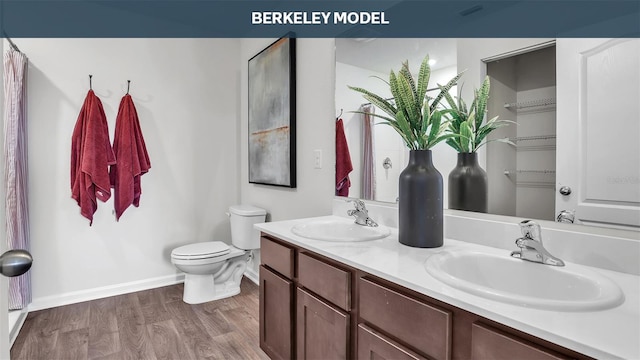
column 575, row 102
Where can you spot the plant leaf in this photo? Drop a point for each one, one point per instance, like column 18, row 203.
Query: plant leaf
column 423, row 78
column 465, row 133
column 482, row 96
column 377, row 100
column 435, row 126
column 444, row 89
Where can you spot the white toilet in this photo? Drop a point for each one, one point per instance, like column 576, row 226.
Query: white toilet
column 213, row 269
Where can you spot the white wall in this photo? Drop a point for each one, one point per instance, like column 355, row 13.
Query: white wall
column 315, row 123
column 187, row 97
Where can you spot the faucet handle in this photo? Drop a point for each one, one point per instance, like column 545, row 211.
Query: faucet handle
column 530, row 229
column 359, row 204
column 566, row 216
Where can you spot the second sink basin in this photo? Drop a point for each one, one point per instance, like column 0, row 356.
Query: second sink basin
column 339, row 229
column 503, row 278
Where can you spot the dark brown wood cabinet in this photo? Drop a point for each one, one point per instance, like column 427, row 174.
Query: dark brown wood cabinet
column 277, row 299
column 276, row 318
column 322, row 330
column 420, row 325
column 375, row 345
column 313, row 307
column 490, row 343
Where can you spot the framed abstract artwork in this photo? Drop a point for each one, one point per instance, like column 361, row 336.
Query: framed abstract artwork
column 272, row 114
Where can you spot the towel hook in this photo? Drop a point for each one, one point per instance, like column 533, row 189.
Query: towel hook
column 90, row 76
column 338, row 117
column 128, row 83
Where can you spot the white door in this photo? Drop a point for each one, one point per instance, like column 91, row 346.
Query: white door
column 598, row 131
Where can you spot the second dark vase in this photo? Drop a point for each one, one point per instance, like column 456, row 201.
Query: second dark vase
column 468, row 184
column 420, row 209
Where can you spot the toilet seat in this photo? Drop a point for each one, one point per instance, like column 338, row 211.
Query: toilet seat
column 202, row 250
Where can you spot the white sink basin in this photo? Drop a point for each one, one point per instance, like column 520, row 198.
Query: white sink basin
column 503, row 278
column 338, row 229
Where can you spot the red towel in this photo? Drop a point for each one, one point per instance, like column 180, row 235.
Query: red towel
column 343, row 161
column 91, row 155
column 133, row 159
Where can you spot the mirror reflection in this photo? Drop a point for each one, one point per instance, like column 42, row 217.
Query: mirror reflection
column 570, row 160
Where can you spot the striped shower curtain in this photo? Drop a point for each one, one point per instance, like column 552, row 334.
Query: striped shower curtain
column 369, row 156
column 15, row 181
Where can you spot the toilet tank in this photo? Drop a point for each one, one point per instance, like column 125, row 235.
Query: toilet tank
column 242, row 218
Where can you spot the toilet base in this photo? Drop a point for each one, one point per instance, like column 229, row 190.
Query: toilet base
column 225, row 283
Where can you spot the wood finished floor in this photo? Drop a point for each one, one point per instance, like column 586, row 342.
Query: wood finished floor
column 151, row 324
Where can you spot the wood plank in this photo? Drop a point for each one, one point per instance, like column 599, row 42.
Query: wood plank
column 245, row 323
column 196, row 339
column 103, row 344
column 134, row 338
column 166, row 341
column 40, row 341
column 72, row 345
column 173, row 293
column 232, row 346
column 104, row 338
column 152, row 305
column 213, row 320
column 73, row 317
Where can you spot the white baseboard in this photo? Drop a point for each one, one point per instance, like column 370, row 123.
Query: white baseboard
column 252, row 275
column 102, row 292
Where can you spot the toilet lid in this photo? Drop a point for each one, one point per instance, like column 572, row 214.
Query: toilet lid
column 201, row 250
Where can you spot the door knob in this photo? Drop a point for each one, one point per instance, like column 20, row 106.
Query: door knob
column 565, row 190
column 15, row 262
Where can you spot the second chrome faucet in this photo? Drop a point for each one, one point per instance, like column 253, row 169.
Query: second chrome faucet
column 361, row 213
column 530, row 245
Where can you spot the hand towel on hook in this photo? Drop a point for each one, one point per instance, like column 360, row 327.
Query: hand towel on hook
column 132, row 158
column 91, row 155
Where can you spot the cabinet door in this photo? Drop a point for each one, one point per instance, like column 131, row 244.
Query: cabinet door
column 322, row 330
column 375, row 346
column 276, row 315
column 489, row 343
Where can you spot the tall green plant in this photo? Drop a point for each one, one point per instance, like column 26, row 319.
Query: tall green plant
column 416, row 117
column 469, row 124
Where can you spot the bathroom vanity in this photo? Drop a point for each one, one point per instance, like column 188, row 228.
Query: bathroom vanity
column 374, row 299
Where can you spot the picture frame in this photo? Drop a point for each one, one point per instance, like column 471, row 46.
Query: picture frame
column 272, row 114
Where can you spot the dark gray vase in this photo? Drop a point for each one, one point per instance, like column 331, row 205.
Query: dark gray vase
column 420, row 205
column 468, row 184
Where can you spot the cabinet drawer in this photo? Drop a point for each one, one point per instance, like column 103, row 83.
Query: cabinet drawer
column 328, row 281
column 373, row 345
column 277, row 256
column 422, row 326
column 489, row 343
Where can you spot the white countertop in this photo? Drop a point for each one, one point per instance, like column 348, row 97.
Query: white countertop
column 605, row 334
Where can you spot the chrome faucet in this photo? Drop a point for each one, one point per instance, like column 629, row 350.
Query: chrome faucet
column 531, row 245
column 361, row 214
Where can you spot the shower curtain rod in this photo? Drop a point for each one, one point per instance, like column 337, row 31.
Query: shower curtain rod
column 387, row 99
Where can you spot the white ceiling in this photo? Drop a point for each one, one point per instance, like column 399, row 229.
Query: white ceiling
column 382, row 54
